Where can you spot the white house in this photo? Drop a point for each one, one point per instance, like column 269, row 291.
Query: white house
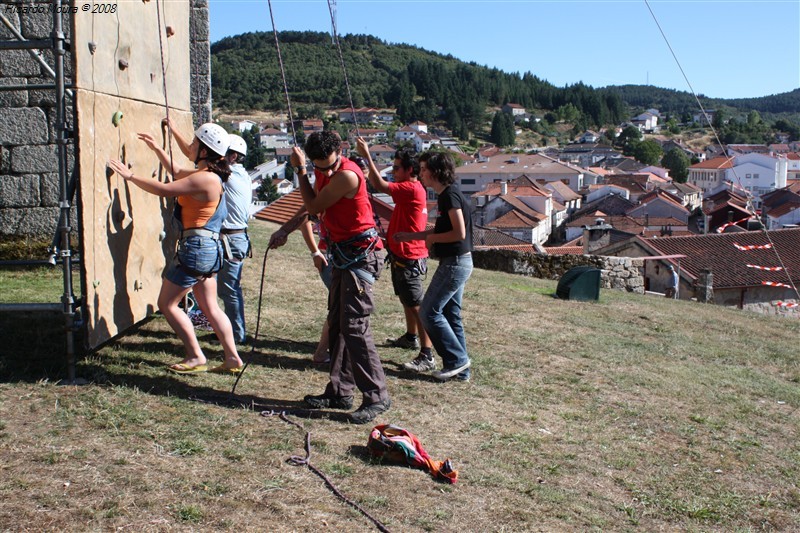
column 505, row 167
column 787, row 214
column 274, row 138
column 758, row 174
column 243, row 125
column 602, row 190
column 646, row 121
column 423, row 141
column 406, row 133
column 709, row 175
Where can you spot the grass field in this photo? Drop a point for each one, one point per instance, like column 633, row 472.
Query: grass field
column 631, row 413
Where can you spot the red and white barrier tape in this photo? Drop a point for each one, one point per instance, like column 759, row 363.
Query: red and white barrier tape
column 776, row 284
column 752, row 247
column 787, row 305
column 770, row 269
column 729, row 224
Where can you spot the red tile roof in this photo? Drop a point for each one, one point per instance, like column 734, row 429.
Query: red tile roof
column 564, row 250
column 729, row 265
column 714, row 163
column 783, row 209
column 513, row 219
column 284, row 208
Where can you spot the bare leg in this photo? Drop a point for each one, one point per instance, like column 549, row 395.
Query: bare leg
column 412, row 317
column 168, row 300
column 322, row 351
column 205, row 292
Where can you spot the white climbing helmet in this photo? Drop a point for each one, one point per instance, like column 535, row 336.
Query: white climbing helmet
column 215, row 137
column 238, row 145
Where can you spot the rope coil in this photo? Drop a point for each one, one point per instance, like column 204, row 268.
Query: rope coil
column 296, row 460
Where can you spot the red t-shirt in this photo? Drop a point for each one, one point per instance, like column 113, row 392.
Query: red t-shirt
column 348, row 217
column 410, row 214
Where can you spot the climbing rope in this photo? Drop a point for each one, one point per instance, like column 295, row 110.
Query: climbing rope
column 283, row 72
column 749, row 197
column 258, row 324
column 344, row 68
column 296, row 460
column 168, row 139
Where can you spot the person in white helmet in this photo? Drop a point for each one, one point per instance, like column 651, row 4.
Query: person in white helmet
column 200, row 210
column 236, row 242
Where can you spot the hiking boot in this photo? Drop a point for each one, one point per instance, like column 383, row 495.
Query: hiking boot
column 405, row 341
column 367, row 413
column 421, row 363
column 447, row 373
column 329, row 402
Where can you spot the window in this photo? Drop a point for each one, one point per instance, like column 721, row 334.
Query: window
column 748, row 176
column 467, row 181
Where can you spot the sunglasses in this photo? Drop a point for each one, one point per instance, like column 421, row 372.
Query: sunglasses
column 329, row 167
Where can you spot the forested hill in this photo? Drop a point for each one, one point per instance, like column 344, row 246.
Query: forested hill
column 679, row 102
column 246, row 76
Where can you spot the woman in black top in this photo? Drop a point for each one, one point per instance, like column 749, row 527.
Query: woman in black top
column 451, row 242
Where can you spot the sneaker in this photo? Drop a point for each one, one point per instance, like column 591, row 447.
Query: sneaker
column 329, row 402
column 447, row 373
column 367, row 413
column 421, row 363
column 404, row 341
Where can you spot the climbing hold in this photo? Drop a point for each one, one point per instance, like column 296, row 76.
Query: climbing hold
column 117, row 118
column 123, row 64
column 95, row 283
column 92, row 47
column 162, row 235
column 152, row 77
column 170, row 31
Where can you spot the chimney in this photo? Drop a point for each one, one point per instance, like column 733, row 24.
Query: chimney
column 646, row 221
column 503, row 188
column 597, row 236
column 705, row 286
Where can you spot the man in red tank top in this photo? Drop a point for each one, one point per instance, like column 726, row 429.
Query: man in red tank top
column 342, row 201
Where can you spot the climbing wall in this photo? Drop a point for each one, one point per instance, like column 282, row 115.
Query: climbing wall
column 126, row 234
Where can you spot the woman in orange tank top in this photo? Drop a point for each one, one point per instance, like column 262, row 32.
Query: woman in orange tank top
column 199, row 193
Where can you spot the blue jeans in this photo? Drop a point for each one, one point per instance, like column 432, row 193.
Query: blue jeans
column 441, row 311
column 229, row 283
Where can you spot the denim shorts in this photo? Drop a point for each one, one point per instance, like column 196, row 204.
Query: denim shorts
column 197, row 258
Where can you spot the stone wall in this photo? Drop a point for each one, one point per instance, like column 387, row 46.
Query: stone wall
column 29, row 188
column 617, row 272
column 200, row 58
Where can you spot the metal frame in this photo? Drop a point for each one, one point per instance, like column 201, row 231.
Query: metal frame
column 58, row 44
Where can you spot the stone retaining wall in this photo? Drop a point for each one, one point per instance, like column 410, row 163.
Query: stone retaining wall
column 622, row 273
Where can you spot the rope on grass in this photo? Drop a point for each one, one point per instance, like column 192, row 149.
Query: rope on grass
column 258, row 324
column 296, row 460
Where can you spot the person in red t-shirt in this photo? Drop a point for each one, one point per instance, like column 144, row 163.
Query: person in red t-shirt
column 408, row 260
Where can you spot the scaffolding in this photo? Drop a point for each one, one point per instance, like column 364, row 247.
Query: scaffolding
column 66, row 181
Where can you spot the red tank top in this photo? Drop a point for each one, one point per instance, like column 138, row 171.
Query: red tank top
column 348, row 217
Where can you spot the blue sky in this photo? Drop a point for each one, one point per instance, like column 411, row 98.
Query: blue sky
column 727, row 48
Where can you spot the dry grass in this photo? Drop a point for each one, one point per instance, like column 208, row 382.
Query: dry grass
column 629, row 413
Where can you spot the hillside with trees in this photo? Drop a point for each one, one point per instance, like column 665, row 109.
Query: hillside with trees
column 421, row 85
column 427, row 86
